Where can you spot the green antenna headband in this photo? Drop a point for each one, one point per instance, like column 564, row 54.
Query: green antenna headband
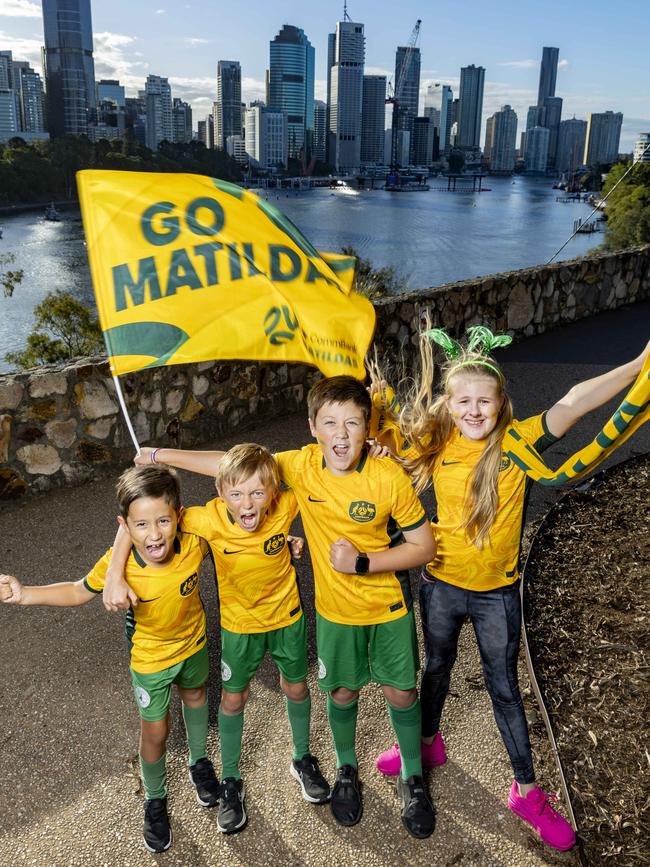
column 480, row 341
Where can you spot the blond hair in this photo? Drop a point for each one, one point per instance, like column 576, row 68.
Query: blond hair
column 243, row 461
column 425, row 421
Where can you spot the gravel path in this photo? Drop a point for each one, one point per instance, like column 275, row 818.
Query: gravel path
column 69, row 788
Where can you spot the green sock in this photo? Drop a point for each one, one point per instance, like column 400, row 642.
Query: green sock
column 406, row 722
column 196, row 726
column 299, row 713
column 231, row 729
column 154, row 777
column 343, row 722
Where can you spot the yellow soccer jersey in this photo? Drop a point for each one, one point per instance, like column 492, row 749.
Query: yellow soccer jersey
column 457, row 560
column 258, row 589
column 365, row 506
column 168, row 624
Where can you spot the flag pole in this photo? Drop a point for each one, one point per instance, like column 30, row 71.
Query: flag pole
column 120, row 397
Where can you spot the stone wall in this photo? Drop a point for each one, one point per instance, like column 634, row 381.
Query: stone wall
column 60, row 425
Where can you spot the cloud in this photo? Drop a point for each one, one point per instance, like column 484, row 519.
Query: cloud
column 520, row 64
column 24, row 49
column 196, row 40
column 20, row 9
column 116, row 57
column 160, row 11
column 563, row 64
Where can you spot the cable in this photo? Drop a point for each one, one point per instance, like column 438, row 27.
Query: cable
column 602, row 201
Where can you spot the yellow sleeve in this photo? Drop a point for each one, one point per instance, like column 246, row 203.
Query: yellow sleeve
column 406, row 508
column 95, row 579
column 196, row 520
column 535, row 431
column 288, row 466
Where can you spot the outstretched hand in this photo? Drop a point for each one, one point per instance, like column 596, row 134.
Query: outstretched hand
column 296, row 546
column 11, row 590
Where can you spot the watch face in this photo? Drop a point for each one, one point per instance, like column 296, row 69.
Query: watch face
column 362, row 565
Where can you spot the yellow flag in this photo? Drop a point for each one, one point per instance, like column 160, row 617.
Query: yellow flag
column 189, row 268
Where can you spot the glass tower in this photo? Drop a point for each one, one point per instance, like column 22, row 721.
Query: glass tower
column 291, row 86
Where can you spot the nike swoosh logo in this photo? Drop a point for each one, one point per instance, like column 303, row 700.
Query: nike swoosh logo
column 237, row 551
column 448, row 463
column 151, row 600
column 312, row 500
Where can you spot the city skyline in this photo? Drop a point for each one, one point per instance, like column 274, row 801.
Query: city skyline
column 590, row 79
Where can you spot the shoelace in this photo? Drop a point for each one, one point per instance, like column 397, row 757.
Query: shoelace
column 547, row 800
column 230, row 793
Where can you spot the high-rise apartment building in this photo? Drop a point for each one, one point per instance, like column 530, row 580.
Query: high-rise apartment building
column 407, row 89
column 422, row 141
column 291, row 86
column 570, row 145
column 158, row 109
column 227, row 112
column 110, row 88
column 603, row 137
column 501, row 140
column 550, row 117
column 346, row 95
column 9, row 126
column 470, row 106
column 69, row 67
column 181, row 120
column 446, row 120
column 642, row 148
column 536, row 157
column 547, row 74
column 266, row 137
column 373, row 112
column 319, row 150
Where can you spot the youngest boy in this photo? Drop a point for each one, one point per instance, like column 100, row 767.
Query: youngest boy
column 166, row 633
column 247, row 528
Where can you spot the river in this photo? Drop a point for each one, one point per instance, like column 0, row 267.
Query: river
column 430, row 238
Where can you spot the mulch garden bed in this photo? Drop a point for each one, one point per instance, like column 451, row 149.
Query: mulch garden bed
column 587, row 583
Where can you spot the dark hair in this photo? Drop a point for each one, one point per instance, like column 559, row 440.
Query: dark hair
column 243, row 461
column 338, row 389
column 147, row 481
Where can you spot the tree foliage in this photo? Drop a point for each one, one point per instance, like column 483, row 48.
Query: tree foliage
column 374, row 282
column 9, row 279
column 628, row 207
column 45, row 171
column 64, row 328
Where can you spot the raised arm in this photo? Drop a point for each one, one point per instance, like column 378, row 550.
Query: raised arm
column 592, row 393
column 117, row 595
column 204, row 463
column 419, row 547
column 64, row 593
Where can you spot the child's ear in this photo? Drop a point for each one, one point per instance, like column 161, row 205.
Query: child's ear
column 122, row 523
column 312, row 428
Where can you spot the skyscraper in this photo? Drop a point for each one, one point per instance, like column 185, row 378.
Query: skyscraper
column 536, row 156
column 547, row 74
column 422, row 141
column 373, row 113
column 181, row 121
column 158, row 108
column 319, row 149
column 501, row 140
column 227, row 108
column 603, row 137
column 470, row 106
column 642, row 148
column 407, row 88
column 266, row 137
column 69, row 67
column 570, row 145
column 31, row 99
column 551, row 115
column 291, row 86
column 346, row 95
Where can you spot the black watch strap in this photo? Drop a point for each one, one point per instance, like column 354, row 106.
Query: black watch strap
column 362, row 564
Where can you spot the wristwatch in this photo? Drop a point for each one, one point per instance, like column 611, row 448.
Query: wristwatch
column 362, row 564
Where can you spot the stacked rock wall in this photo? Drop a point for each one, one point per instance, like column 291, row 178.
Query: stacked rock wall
column 59, row 425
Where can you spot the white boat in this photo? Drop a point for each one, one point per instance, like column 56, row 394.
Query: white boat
column 52, row 214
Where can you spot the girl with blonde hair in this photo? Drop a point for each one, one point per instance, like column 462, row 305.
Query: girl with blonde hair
column 455, row 438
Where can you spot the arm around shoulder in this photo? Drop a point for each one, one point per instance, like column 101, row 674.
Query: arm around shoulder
column 205, row 463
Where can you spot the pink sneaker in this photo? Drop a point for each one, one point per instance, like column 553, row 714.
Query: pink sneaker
column 389, row 762
column 537, row 809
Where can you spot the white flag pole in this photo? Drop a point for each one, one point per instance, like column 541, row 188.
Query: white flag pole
column 120, row 397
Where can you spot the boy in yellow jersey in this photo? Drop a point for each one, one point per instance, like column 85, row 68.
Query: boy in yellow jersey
column 247, row 528
column 166, row 633
column 353, row 507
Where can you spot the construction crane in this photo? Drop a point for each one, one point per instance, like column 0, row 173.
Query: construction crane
column 395, row 93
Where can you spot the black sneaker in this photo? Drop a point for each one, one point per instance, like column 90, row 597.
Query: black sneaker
column 346, row 796
column 315, row 787
column 157, row 833
column 232, row 815
column 418, row 814
column 208, row 787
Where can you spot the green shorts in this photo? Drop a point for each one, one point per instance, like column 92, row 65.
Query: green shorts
column 242, row 653
column 153, row 691
column 351, row 656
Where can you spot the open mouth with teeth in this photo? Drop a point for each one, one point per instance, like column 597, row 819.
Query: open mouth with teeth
column 157, row 551
column 341, row 450
column 248, row 520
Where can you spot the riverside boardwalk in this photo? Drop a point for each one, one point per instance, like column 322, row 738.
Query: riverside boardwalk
column 69, row 785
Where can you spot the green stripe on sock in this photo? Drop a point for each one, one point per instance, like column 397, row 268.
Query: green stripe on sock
column 406, row 722
column 196, row 726
column 343, row 723
column 231, row 729
column 154, row 778
column 299, row 713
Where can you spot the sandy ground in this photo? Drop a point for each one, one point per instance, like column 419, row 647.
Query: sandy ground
column 69, row 788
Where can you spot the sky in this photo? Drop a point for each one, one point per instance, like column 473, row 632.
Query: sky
column 603, row 46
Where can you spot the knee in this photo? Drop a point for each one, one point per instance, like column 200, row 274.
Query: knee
column 193, row 697
column 233, row 703
column 294, row 691
column 154, row 734
column 343, row 695
column 399, row 698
